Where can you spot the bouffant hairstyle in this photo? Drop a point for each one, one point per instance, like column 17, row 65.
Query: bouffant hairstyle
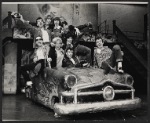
column 57, row 18
column 64, row 22
column 57, row 39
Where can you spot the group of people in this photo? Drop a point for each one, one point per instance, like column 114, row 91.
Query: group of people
column 57, row 44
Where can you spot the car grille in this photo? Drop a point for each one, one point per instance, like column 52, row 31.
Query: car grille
column 95, row 94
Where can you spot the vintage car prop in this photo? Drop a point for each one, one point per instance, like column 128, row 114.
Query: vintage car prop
column 80, row 90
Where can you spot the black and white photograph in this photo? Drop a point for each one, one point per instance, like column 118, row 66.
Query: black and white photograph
column 73, row 61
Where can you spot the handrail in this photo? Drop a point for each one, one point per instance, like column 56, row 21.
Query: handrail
column 100, row 26
column 126, row 41
column 132, row 32
column 134, row 35
column 102, row 22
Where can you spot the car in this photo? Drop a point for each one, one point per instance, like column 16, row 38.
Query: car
column 80, row 90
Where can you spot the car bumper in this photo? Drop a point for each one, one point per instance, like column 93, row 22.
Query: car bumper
column 67, row 109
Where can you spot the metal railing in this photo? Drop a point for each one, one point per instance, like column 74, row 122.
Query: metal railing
column 103, row 27
column 134, row 35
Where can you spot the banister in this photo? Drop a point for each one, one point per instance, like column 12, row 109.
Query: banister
column 129, row 45
column 102, row 22
column 100, row 26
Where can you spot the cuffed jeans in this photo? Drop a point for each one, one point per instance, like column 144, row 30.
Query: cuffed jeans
column 116, row 56
column 29, row 67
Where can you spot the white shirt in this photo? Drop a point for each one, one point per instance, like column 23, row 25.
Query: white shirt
column 98, row 50
column 45, row 35
column 60, row 57
column 40, row 53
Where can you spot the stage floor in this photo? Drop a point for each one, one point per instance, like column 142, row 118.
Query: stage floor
column 19, row 108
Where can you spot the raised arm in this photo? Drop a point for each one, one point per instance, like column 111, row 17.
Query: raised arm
column 25, row 24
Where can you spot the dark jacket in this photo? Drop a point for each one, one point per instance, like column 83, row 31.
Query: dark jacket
column 68, row 63
column 53, row 55
column 82, row 51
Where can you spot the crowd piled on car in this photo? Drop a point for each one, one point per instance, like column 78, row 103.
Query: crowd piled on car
column 57, row 45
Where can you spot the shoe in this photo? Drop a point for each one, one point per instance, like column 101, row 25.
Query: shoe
column 56, row 115
column 119, row 67
column 29, row 83
column 120, row 70
column 23, row 90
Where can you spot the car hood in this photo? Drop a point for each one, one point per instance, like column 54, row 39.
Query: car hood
column 94, row 75
column 87, row 75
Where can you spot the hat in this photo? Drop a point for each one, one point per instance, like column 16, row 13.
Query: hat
column 38, row 38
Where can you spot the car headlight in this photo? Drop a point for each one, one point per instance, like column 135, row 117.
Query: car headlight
column 70, row 80
column 129, row 80
column 108, row 93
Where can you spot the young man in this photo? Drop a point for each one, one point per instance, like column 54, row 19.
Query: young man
column 44, row 33
column 38, row 64
column 108, row 59
column 39, row 30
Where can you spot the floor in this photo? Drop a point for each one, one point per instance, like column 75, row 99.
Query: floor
column 19, row 108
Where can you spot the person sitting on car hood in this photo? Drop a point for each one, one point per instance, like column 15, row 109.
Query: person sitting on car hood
column 107, row 59
column 70, row 60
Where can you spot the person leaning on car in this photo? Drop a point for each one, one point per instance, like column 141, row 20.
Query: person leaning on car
column 38, row 63
column 82, row 52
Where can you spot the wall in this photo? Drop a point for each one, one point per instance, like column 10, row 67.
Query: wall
column 89, row 13
column 68, row 11
column 128, row 17
column 32, row 11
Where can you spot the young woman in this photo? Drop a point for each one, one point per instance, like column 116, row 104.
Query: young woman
column 56, row 53
column 69, row 59
column 56, row 32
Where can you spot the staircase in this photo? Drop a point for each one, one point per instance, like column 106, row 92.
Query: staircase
column 131, row 54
